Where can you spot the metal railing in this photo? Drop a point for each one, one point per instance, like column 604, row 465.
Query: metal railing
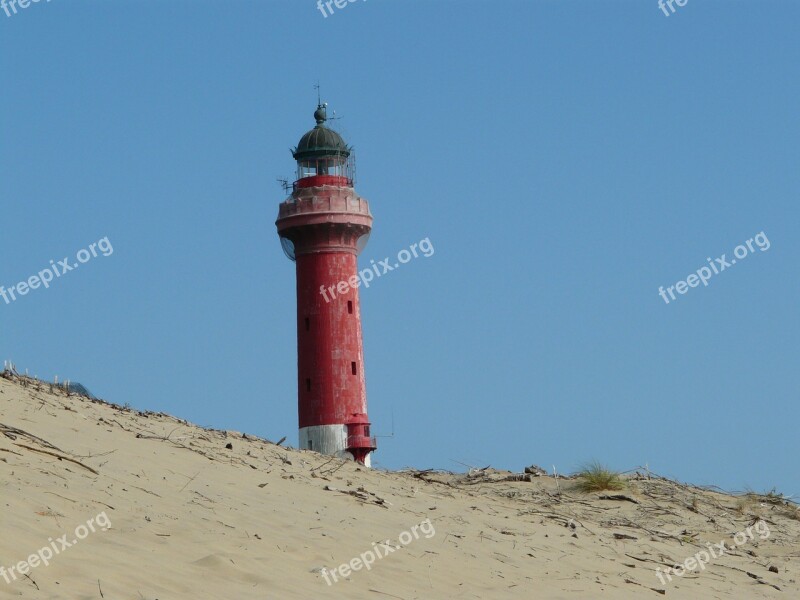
column 361, row 441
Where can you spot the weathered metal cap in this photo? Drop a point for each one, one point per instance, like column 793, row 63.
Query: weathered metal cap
column 321, row 141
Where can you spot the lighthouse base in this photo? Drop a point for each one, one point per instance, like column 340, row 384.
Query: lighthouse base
column 328, row 439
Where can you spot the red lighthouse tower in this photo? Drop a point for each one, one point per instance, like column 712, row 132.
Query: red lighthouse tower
column 323, row 226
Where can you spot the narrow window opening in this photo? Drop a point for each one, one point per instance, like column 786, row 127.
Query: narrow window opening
column 350, row 306
column 310, row 445
column 308, row 324
column 308, row 385
column 353, row 368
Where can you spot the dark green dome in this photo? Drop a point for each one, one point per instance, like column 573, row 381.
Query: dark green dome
column 321, row 141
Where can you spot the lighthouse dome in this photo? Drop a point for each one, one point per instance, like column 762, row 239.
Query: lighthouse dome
column 321, row 141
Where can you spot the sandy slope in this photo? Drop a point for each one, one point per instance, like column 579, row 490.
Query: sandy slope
column 192, row 519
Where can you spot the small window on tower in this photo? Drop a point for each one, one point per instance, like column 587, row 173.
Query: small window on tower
column 308, row 324
column 353, row 368
column 308, row 384
column 350, row 306
column 310, row 445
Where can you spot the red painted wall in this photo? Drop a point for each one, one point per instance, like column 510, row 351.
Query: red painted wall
column 331, row 342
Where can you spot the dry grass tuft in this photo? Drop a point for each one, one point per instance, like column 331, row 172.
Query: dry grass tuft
column 594, row 477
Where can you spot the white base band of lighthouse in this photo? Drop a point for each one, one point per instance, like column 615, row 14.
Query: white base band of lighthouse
column 327, row 439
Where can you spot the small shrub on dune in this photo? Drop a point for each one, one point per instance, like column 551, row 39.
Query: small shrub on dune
column 594, row 477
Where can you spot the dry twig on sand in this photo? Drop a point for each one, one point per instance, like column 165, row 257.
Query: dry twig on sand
column 58, row 456
column 11, row 432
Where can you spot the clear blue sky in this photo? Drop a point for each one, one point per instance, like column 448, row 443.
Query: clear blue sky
column 564, row 158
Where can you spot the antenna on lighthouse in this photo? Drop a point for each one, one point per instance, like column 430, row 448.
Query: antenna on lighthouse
column 334, row 117
column 392, row 434
column 284, row 183
column 321, row 104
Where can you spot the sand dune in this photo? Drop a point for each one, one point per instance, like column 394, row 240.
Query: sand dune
column 182, row 512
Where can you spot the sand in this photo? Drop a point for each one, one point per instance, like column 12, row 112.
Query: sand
column 183, row 512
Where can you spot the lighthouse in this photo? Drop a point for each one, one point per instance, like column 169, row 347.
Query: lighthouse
column 323, row 226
